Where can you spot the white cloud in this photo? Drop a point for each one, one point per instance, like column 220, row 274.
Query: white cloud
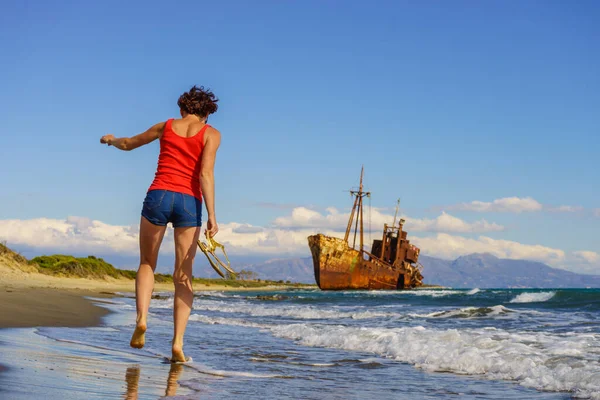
column 449, row 223
column 450, row 246
column 506, row 204
column 597, row 212
column 74, row 233
column 247, row 228
column 303, row 218
column 259, row 240
column 288, row 235
column 83, row 235
column 589, row 257
column 569, row 209
column 514, row 205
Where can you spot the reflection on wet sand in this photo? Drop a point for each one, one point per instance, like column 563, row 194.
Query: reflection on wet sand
column 132, row 378
column 172, row 379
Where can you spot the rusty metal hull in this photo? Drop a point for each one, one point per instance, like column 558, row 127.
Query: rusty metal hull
column 340, row 267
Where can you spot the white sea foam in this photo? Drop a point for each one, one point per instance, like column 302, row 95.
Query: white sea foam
column 538, row 360
column 370, row 360
column 371, row 293
column 162, row 303
column 295, row 312
column 537, row 297
column 209, row 293
column 432, row 293
column 125, row 294
column 467, row 312
column 117, row 305
column 473, row 291
column 418, row 292
column 217, row 372
column 225, row 321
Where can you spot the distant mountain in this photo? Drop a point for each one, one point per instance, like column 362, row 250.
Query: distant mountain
column 287, row 269
column 488, row 271
column 471, row 271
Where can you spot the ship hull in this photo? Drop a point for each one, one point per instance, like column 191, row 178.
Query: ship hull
column 339, row 267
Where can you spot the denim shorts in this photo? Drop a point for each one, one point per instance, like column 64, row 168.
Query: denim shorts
column 164, row 206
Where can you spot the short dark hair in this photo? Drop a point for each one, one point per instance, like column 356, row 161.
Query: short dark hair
column 198, row 101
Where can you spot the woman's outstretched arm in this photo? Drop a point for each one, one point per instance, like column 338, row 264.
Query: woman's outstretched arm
column 136, row 141
column 207, row 177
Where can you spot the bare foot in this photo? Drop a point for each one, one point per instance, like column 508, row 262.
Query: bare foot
column 177, row 353
column 138, row 339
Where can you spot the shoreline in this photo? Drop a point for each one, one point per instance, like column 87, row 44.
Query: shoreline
column 31, row 299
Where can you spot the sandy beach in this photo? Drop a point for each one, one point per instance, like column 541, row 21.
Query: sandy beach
column 33, row 304
column 32, row 307
column 31, row 299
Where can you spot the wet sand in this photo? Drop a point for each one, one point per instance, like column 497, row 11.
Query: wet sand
column 33, row 307
column 37, row 367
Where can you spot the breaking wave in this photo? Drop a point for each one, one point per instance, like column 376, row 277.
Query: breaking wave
column 536, row 360
column 537, row 297
column 469, row 312
column 294, row 312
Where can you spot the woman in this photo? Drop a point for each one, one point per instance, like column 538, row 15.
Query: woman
column 184, row 178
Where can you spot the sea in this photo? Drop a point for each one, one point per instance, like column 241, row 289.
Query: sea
column 312, row 344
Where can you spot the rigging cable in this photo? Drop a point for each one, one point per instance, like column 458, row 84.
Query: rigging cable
column 370, row 241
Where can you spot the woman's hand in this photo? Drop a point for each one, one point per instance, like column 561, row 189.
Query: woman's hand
column 211, row 227
column 107, row 139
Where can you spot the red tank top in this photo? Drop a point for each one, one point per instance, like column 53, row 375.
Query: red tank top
column 179, row 162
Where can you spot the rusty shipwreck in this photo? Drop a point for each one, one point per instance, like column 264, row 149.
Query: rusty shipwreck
column 392, row 263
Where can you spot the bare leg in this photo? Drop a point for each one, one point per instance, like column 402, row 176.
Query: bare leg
column 150, row 239
column 185, row 251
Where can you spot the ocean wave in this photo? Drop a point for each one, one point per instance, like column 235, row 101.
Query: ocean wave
column 125, row 294
column 401, row 293
column 432, row 292
column 542, row 361
column 295, row 312
column 467, row 312
column 219, row 294
column 225, row 321
column 473, row 291
column 535, row 297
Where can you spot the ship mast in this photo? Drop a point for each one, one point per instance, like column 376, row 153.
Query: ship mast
column 358, row 208
column 396, row 214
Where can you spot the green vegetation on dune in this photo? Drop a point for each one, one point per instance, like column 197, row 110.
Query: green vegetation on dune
column 89, row 267
column 96, row 268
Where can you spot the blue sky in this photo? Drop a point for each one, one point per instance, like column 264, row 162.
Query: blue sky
column 445, row 103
